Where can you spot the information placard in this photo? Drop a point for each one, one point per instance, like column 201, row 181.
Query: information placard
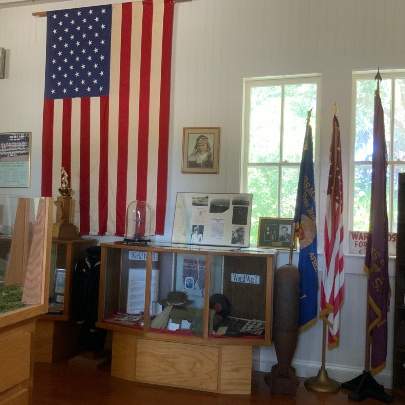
column 15, row 159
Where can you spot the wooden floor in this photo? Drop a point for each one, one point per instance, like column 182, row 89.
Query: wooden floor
column 80, row 381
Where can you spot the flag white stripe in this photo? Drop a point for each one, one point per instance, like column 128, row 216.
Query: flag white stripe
column 75, row 159
column 113, row 118
column 136, row 34
column 154, row 107
column 94, row 161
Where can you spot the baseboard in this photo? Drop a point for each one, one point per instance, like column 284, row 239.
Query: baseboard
column 338, row 372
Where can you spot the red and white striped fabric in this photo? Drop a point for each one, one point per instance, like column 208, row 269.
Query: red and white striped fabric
column 332, row 285
column 115, row 146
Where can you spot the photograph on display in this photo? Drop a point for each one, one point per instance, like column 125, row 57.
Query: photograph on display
column 212, row 219
column 275, row 233
column 200, row 150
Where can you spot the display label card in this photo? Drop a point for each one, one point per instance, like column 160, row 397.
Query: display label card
column 245, row 278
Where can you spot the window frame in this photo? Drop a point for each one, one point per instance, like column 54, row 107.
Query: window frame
column 370, row 75
column 248, row 83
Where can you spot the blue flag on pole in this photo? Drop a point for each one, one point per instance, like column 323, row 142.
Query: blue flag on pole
column 305, row 230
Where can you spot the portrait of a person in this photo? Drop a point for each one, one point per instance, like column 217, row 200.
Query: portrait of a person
column 285, row 233
column 201, row 153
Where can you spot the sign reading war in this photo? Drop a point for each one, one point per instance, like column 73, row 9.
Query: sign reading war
column 358, row 243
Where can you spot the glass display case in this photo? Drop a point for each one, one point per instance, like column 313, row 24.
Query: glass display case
column 23, row 230
column 187, row 291
column 65, row 254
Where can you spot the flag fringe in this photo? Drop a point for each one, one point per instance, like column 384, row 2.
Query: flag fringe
column 308, row 325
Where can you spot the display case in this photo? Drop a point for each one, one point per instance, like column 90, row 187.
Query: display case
column 57, row 335
column 173, row 297
column 25, row 246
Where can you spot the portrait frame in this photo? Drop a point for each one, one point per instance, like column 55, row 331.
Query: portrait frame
column 275, row 233
column 204, row 161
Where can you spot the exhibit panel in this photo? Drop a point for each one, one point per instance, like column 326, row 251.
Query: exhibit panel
column 192, row 310
column 25, row 226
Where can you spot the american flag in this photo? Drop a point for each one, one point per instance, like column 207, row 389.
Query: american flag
column 332, row 285
column 106, row 110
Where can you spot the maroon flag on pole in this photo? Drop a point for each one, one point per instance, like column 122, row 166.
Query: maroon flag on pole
column 332, row 286
column 376, row 260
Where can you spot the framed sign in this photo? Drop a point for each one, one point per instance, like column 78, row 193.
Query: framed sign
column 212, row 219
column 15, row 151
column 275, row 232
column 200, row 150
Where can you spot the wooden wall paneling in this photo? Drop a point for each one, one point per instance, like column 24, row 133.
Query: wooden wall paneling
column 124, row 352
column 15, row 355
column 177, row 365
column 235, row 370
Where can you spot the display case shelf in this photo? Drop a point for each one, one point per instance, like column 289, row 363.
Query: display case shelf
column 186, row 295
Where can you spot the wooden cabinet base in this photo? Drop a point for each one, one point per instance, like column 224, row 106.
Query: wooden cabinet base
column 55, row 341
column 214, row 368
column 15, row 364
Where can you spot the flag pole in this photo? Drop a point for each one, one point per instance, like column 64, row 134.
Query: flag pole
column 322, row 382
column 365, row 386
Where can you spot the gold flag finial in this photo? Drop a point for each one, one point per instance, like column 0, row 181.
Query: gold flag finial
column 335, row 109
column 309, row 115
column 378, row 78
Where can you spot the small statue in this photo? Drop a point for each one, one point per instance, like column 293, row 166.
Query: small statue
column 64, row 189
column 63, row 229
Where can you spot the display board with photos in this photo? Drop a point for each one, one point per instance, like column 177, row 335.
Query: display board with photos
column 212, row 219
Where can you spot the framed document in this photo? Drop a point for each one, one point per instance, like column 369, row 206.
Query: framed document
column 15, row 151
column 212, row 219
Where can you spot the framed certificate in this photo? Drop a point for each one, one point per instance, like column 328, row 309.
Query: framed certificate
column 15, row 154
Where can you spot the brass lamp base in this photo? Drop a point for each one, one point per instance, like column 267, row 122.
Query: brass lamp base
column 322, row 382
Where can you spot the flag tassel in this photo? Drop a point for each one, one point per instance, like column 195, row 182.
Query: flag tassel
column 322, row 382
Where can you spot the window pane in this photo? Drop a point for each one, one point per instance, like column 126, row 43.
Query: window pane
column 362, row 193
column 289, row 184
column 264, row 131
column 362, row 196
column 263, row 183
column 399, row 129
column 365, row 115
column 299, row 98
column 397, row 169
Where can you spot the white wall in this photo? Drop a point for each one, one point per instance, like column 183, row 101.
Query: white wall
column 216, row 44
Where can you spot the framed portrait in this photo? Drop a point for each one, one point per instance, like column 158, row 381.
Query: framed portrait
column 275, row 232
column 201, row 150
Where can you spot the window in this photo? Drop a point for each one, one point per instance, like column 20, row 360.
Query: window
column 274, row 128
column 392, row 91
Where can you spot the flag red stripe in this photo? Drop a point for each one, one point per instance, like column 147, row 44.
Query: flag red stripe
column 47, row 148
column 85, row 166
column 164, row 118
column 144, row 98
column 123, row 118
column 103, row 172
